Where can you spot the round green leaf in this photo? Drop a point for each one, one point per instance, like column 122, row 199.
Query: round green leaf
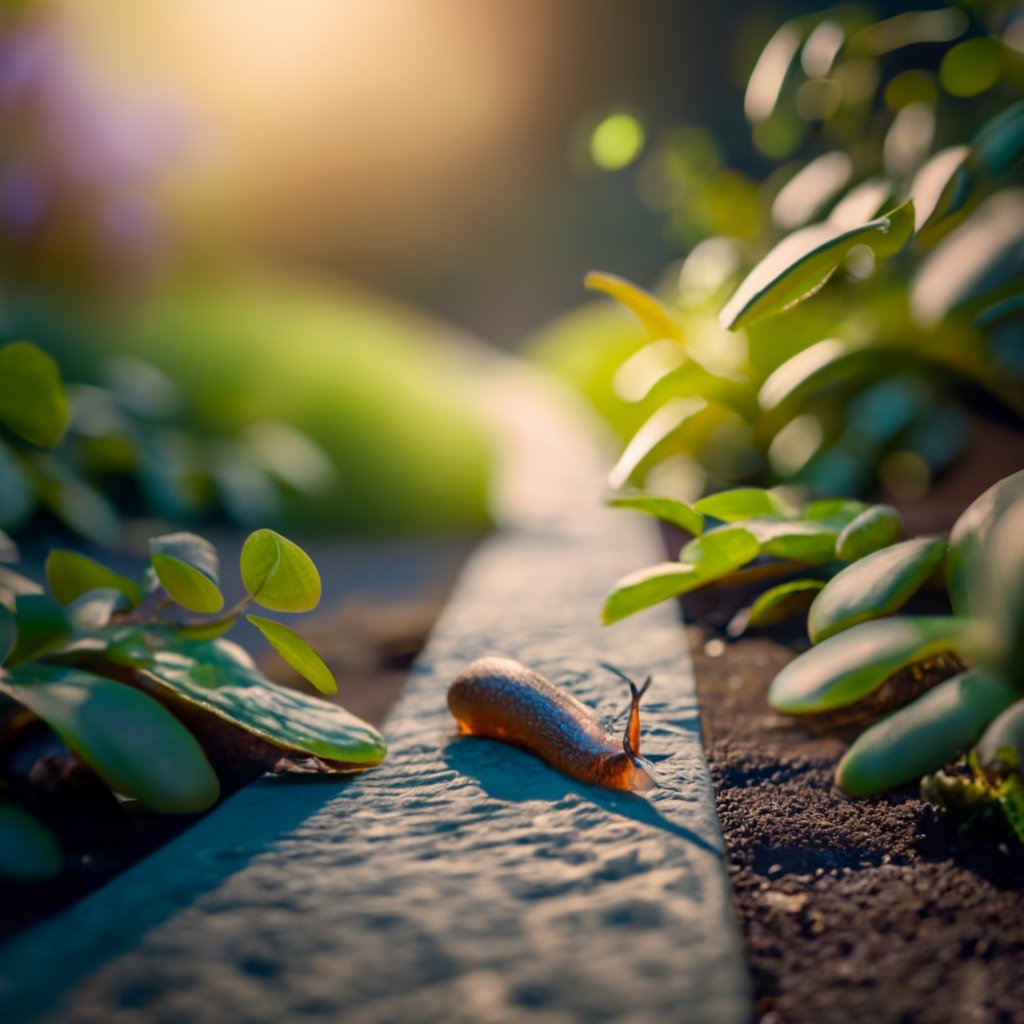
column 41, row 626
column 297, row 653
column 70, row 574
column 187, row 586
column 835, row 512
column 299, row 724
column 796, row 540
column 279, row 574
column 191, row 549
column 849, row 667
column 804, row 261
column 741, row 503
column 876, row 527
column 876, row 585
column 667, row 509
column 782, row 601
column 28, row 849
column 133, row 743
column 32, row 401
column 925, row 735
column 968, row 540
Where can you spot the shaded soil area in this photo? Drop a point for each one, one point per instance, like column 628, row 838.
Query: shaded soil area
column 853, row 910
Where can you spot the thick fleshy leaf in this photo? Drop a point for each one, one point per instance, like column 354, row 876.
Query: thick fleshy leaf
column 28, row 849
column 667, row 509
column 796, row 540
column 187, row 586
column 297, row 653
column 1001, row 589
column 847, row 668
column 1002, row 745
column 132, row 742
column 804, row 261
column 70, row 574
column 659, row 322
column 782, row 601
column 925, row 735
column 32, row 401
column 742, row 503
column 876, row 527
column 968, row 539
column 278, row 573
column 299, row 724
column 662, row 423
column 835, row 512
column 705, row 559
column 874, row 586
column 41, row 626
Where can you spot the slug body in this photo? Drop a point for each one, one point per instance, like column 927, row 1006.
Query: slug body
column 503, row 700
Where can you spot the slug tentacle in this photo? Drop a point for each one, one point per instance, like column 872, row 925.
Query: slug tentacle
column 502, row 699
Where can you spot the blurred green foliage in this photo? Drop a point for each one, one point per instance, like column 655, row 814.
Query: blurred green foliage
column 914, row 119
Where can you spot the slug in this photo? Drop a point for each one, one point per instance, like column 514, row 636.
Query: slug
column 501, row 699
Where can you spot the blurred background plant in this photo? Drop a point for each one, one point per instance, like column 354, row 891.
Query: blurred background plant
column 872, row 385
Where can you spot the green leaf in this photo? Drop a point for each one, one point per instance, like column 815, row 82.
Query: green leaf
column 279, row 574
column 660, row 323
column 668, row 509
column 804, row 261
column 133, row 743
column 796, row 540
column 1002, row 745
column 297, row 653
column 1001, row 591
column 968, row 539
column 742, row 503
column 41, row 626
column 782, row 601
column 16, row 494
column 70, row 574
column 92, row 611
column 191, row 549
column 661, row 424
column 299, row 724
column 999, row 143
column 28, row 849
column 876, row 527
column 849, row 667
column 32, row 399
column 876, row 585
column 187, row 586
column 708, row 558
column 835, row 512
column 925, row 735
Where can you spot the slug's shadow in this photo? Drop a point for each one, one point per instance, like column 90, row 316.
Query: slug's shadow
column 511, row 775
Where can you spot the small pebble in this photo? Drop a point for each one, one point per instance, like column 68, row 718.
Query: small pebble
column 715, row 648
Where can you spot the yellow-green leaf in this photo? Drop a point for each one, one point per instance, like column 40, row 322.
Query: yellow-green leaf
column 278, row 573
column 659, row 322
column 667, row 509
column 187, row 586
column 70, row 574
column 32, row 401
column 297, row 653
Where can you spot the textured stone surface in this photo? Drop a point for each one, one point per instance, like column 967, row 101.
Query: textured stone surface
column 464, row 880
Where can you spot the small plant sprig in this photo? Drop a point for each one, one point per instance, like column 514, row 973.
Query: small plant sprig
column 131, row 679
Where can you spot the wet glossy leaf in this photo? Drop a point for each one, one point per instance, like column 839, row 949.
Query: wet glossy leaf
column 70, row 574
column 876, row 585
column 667, row 509
column 804, row 261
column 782, row 601
column 850, row 666
column 28, row 849
column 133, row 743
column 659, row 322
column 742, row 503
column 299, row 724
column 279, row 574
column 705, row 559
column 925, row 735
column 662, row 423
column 187, row 586
column 32, row 399
column 41, row 626
column 876, row 527
column 297, row 653
column 968, row 539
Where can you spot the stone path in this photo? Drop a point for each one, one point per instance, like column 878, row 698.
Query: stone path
column 463, row 880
